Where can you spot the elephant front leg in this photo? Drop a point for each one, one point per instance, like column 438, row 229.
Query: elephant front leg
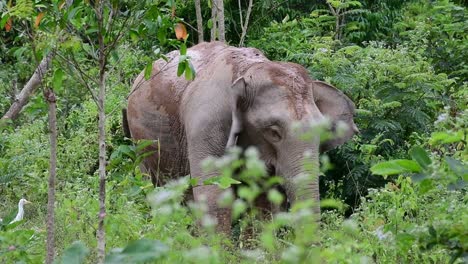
column 210, row 194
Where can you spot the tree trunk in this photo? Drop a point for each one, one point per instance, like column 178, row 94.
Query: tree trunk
column 100, row 234
column 30, row 87
column 102, row 170
column 199, row 21
column 246, row 24
column 214, row 15
column 50, row 98
column 220, row 13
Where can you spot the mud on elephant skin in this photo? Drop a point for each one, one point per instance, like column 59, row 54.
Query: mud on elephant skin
column 238, row 97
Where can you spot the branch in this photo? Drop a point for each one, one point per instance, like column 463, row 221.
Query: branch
column 240, row 14
column 82, row 76
column 34, row 82
column 244, row 27
column 199, row 21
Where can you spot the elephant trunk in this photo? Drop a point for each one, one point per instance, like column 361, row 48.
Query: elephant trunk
column 301, row 173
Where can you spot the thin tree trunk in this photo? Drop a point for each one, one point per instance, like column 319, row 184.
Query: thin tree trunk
column 14, row 91
column 214, row 20
column 101, row 235
column 50, row 98
column 221, row 30
column 246, row 24
column 34, row 82
column 199, row 21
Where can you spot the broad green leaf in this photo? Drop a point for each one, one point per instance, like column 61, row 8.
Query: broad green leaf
column 457, row 167
column 418, row 177
column 395, row 167
column 438, row 138
column 148, row 70
column 140, row 251
column 162, row 35
column 125, row 149
column 192, row 69
column 420, row 155
column 181, row 68
column 226, row 182
column 210, row 23
column 143, row 143
column 223, row 182
column 188, row 71
column 75, row 254
column 183, row 49
column 4, row 20
column 57, row 79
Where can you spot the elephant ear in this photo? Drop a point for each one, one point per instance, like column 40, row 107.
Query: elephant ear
column 238, row 92
column 335, row 105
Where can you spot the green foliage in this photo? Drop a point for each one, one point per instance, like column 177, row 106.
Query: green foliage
column 439, row 30
column 396, row 91
column 74, row 254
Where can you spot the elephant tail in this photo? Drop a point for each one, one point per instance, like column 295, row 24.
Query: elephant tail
column 126, row 129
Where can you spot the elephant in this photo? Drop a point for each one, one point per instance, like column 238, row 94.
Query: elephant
column 238, row 97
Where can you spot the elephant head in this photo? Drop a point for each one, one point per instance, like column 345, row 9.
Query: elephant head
column 267, row 100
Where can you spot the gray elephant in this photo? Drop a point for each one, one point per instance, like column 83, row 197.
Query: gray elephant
column 238, row 97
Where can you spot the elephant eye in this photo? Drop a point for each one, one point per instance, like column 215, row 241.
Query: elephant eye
column 272, row 133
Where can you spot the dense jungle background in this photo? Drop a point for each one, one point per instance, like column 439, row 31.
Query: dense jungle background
column 395, row 193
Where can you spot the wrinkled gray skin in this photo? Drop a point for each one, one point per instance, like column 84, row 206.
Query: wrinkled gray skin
column 238, row 97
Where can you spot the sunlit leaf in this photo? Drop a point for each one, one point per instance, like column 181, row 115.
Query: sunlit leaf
column 143, row 143
column 9, row 24
column 210, row 23
column 183, row 49
column 4, row 20
column 180, row 31
column 38, row 19
column 438, row 138
column 62, row 4
column 148, row 70
column 393, row 167
column 222, row 182
column 331, row 203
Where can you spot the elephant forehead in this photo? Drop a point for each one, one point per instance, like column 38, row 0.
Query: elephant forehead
column 294, row 80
